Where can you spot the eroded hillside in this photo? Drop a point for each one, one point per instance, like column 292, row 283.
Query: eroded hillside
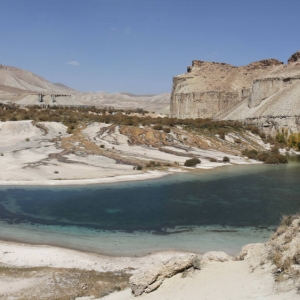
column 65, row 144
column 263, row 93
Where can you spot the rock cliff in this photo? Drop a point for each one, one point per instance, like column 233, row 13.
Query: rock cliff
column 264, row 93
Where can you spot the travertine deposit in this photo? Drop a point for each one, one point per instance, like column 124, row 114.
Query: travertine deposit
column 264, row 93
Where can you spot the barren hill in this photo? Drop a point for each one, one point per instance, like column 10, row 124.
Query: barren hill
column 28, row 82
column 23, row 87
column 264, row 93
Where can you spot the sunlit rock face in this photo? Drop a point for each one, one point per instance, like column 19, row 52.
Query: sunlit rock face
column 265, row 93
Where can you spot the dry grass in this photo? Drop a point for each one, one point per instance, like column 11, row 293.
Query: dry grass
column 284, row 249
column 63, row 284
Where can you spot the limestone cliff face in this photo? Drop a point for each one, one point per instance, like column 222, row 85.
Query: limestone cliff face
column 209, row 88
column 264, row 93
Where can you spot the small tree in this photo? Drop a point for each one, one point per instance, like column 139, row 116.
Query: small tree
column 226, row 159
column 158, row 127
column 192, row 162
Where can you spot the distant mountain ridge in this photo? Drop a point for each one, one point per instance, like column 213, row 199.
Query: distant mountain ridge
column 20, row 86
column 27, row 81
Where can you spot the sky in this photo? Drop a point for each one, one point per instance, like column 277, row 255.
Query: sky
column 138, row 46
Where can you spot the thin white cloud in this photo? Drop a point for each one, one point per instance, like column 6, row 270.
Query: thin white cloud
column 114, row 29
column 128, row 30
column 73, row 63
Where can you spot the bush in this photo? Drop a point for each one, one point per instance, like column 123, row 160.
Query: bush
column 212, row 159
column 222, row 133
column 102, row 146
column 287, row 220
column 252, row 154
column 272, row 160
column 275, row 149
column 139, row 167
column 263, row 156
column 226, row 159
column 166, row 129
column 282, row 159
column 262, row 135
column 157, row 127
column 192, row 162
column 153, row 164
column 253, row 129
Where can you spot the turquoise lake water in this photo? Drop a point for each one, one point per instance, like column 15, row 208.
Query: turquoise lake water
column 220, row 209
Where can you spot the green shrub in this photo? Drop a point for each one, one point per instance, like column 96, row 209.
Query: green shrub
column 226, row 159
column 192, row 162
column 212, row 159
column 102, row 146
column 139, row 167
column 166, row 129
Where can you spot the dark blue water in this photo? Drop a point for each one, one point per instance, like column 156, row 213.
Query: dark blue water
column 235, row 196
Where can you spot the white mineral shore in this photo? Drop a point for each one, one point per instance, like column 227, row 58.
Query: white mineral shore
column 234, row 280
column 29, row 156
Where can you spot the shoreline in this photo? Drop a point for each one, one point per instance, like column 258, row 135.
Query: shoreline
column 70, row 182
column 148, row 175
column 24, row 255
column 197, row 239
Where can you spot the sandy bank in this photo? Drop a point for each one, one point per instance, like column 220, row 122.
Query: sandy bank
column 112, row 179
column 233, row 280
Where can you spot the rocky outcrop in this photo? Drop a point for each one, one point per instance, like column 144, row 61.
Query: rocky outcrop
column 264, row 93
column 209, row 88
column 280, row 255
column 294, row 58
column 151, row 279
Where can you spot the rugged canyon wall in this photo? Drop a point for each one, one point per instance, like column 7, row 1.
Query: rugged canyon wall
column 264, row 93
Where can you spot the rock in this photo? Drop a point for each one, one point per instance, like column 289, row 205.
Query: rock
column 244, row 252
column 295, row 57
column 217, row 256
column 151, row 279
column 251, row 93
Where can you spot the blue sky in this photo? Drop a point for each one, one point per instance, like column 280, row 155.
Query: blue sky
column 139, row 45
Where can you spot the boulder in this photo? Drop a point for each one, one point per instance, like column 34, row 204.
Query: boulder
column 149, row 280
column 244, row 252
